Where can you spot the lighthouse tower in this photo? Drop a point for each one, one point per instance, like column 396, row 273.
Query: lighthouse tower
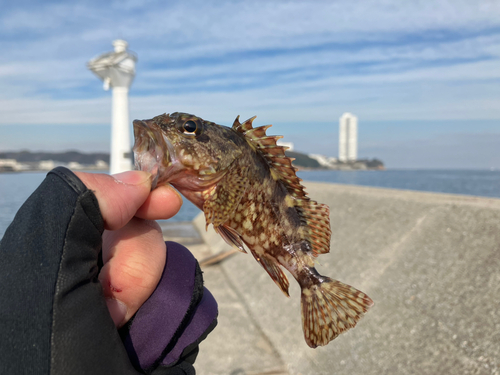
column 117, row 70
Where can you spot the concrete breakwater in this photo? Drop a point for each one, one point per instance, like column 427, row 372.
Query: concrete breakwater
column 431, row 263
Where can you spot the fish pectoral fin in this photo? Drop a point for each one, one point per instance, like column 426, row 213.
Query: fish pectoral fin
column 231, row 237
column 226, row 196
column 274, row 270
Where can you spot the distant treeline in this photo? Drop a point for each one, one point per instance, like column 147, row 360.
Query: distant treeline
column 25, row 156
column 372, row 163
column 302, row 160
column 63, row 157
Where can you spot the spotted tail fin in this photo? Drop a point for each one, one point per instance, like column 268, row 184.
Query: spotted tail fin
column 329, row 308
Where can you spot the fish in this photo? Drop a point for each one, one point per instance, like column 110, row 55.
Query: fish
column 248, row 190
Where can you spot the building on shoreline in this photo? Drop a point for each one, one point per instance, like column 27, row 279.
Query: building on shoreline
column 348, row 137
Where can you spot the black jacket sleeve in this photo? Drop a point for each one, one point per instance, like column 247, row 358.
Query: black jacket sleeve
column 53, row 315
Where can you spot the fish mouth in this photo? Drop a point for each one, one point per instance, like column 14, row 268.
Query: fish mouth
column 153, row 153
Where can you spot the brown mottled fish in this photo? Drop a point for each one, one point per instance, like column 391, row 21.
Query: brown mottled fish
column 249, row 192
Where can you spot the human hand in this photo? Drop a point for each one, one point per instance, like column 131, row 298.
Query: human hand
column 55, row 319
column 133, row 247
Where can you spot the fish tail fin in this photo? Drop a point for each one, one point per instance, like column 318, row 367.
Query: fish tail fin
column 329, row 308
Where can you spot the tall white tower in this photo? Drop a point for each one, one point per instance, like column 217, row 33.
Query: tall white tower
column 348, row 137
column 117, row 70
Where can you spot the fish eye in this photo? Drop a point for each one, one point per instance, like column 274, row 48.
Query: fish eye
column 191, row 128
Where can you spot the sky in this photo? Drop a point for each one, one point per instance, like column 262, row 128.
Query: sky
column 423, row 77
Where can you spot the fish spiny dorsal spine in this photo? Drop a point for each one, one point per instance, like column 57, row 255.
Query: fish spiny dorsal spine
column 247, row 125
column 315, row 217
column 236, row 123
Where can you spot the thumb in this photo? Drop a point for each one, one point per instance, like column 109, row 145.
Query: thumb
column 119, row 196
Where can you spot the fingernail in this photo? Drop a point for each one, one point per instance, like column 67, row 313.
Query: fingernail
column 175, row 191
column 133, row 177
column 117, row 310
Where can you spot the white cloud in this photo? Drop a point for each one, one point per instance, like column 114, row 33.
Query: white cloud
column 288, row 62
column 432, row 93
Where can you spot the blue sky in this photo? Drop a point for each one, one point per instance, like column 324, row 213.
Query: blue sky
column 423, row 77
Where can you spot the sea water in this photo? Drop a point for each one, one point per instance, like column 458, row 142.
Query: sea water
column 15, row 188
column 483, row 183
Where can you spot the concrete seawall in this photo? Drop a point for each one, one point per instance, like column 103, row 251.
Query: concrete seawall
column 431, row 263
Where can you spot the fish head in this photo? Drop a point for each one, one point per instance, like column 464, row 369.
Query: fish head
column 183, row 149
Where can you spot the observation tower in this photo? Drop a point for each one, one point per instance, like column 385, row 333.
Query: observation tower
column 117, row 70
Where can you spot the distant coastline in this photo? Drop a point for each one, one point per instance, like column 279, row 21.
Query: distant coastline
column 26, row 161
column 321, row 162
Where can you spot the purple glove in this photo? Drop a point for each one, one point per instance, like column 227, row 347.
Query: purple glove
column 179, row 314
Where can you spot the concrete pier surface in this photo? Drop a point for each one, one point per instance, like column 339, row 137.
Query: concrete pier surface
column 430, row 262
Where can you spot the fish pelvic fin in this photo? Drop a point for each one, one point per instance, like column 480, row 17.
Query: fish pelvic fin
column 329, row 308
column 231, row 237
column 274, row 270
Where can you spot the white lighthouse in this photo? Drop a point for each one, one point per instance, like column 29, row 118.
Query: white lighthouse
column 348, row 137
column 117, row 70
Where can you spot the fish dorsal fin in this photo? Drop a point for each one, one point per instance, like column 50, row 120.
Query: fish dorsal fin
column 280, row 164
column 242, row 128
column 315, row 217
